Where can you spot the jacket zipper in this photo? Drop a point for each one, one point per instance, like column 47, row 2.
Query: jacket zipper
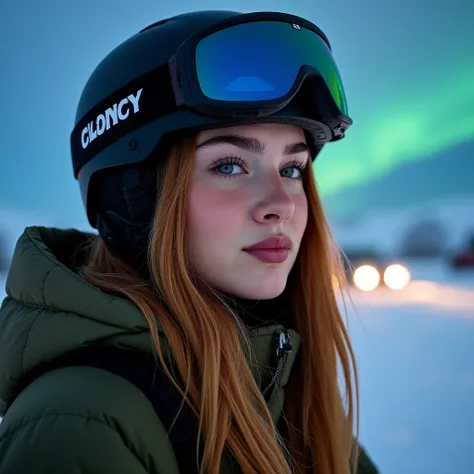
column 283, row 348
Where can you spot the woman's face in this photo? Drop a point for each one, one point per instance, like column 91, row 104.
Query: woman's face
column 246, row 188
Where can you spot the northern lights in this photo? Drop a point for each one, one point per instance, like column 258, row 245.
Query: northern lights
column 410, row 125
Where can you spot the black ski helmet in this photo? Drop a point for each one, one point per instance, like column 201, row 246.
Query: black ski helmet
column 118, row 184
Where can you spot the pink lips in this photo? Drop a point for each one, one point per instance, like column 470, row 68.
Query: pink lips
column 272, row 250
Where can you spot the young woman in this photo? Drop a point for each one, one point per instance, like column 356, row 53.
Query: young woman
column 200, row 330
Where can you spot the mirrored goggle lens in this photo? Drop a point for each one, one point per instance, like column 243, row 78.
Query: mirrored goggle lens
column 260, row 61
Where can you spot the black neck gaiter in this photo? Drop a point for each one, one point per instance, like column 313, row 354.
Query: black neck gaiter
column 257, row 313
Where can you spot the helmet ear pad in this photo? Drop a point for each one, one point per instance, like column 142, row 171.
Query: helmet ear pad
column 125, row 200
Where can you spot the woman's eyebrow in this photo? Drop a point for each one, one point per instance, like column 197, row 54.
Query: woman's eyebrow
column 251, row 144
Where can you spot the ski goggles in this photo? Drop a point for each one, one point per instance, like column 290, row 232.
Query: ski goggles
column 255, row 63
column 247, row 67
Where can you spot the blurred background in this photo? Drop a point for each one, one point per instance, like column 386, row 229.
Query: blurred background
column 399, row 189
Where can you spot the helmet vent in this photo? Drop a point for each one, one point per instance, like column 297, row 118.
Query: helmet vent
column 149, row 27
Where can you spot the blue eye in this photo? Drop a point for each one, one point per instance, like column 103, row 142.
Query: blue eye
column 227, row 168
column 289, row 172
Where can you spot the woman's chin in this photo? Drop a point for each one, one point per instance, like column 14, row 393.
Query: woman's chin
column 258, row 291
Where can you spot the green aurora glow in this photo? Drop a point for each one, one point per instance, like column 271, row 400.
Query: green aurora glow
column 436, row 115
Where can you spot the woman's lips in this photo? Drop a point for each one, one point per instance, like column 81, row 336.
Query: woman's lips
column 270, row 255
column 274, row 249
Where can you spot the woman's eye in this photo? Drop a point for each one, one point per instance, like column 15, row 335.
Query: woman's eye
column 291, row 172
column 229, row 168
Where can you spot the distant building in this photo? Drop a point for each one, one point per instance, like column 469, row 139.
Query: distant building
column 425, row 238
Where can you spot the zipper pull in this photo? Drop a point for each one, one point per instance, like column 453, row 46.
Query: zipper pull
column 284, row 346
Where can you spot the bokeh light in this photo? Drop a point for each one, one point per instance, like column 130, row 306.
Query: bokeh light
column 366, row 278
column 396, row 277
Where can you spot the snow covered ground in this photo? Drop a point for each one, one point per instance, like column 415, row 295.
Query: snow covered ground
column 416, row 359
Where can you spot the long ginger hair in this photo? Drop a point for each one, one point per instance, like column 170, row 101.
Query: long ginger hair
column 209, row 346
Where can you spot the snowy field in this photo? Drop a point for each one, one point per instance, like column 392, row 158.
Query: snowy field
column 415, row 350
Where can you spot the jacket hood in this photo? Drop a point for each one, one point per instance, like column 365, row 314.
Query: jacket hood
column 50, row 311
